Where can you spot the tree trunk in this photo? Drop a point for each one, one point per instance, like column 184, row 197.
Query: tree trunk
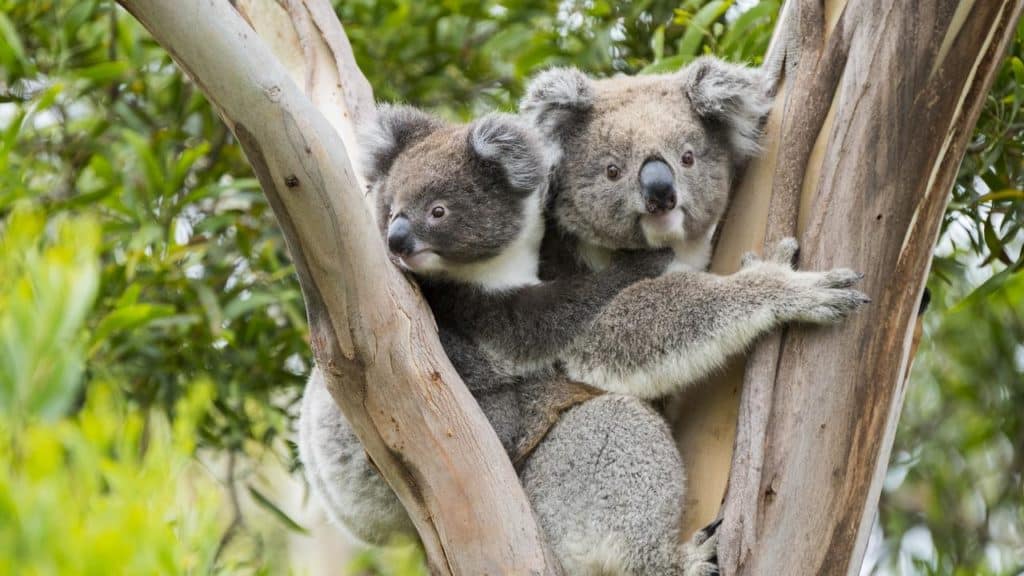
column 877, row 100
column 371, row 333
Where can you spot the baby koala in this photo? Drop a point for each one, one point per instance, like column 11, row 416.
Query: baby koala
column 461, row 208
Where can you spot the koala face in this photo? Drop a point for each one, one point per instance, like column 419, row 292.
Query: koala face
column 647, row 161
column 452, row 198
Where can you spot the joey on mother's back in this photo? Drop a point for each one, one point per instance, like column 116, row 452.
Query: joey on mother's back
column 460, row 208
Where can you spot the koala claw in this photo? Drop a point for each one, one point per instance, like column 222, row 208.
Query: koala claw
column 785, row 251
column 706, row 532
column 840, row 278
column 702, row 552
column 749, row 259
column 831, row 305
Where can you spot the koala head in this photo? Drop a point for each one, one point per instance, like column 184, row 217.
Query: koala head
column 456, row 200
column 647, row 161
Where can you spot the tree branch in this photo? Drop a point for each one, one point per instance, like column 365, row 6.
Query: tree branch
column 372, row 335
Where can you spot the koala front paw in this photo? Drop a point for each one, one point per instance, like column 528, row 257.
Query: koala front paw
column 702, row 552
column 813, row 297
column 823, row 297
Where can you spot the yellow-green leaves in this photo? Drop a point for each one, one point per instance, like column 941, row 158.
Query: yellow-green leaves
column 108, row 491
column 51, row 274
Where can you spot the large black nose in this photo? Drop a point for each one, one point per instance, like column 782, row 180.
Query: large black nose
column 400, row 240
column 659, row 187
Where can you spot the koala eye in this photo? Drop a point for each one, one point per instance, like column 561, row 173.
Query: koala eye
column 613, row 172
column 437, row 212
column 687, row 158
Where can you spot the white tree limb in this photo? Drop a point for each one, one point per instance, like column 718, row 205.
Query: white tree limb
column 372, row 335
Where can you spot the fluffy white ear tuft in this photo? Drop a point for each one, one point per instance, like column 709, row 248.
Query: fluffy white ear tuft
column 508, row 142
column 393, row 129
column 555, row 97
column 738, row 97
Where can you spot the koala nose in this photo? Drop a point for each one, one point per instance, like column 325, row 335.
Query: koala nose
column 659, row 186
column 400, row 240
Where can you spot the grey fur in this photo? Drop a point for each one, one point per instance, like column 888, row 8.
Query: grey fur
column 607, row 486
column 733, row 95
column 631, row 120
column 394, row 128
column 501, row 139
column 555, row 98
column 340, row 474
column 663, row 333
column 692, row 321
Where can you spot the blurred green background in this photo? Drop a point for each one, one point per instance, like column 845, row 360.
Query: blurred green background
column 152, row 335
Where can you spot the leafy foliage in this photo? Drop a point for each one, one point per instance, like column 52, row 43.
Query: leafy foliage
column 106, row 490
column 986, row 213
column 464, row 58
column 195, row 279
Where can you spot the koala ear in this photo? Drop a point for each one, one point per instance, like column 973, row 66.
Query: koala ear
column 394, row 129
column 509, row 143
column 554, row 98
column 732, row 95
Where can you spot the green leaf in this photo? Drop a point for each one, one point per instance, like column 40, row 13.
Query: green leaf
column 125, row 318
column 1008, row 194
column 760, row 13
column 103, row 72
column 670, row 64
column 658, row 43
column 257, row 300
column 11, row 45
column 269, row 506
column 699, row 26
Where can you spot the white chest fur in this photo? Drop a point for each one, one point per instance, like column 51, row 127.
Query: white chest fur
column 694, row 255
column 516, row 266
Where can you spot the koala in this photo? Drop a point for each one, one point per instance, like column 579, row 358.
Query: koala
column 461, row 209
column 648, row 162
column 645, row 163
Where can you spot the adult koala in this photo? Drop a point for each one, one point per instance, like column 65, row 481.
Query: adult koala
column 648, row 162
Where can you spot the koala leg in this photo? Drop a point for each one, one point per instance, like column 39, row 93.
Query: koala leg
column 341, row 475
column 661, row 334
column 607, row 486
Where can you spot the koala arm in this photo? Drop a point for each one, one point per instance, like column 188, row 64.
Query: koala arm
column 534, row 324
column 662, row 334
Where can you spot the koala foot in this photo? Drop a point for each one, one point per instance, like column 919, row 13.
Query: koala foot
column 702, row 552
column 814, row 297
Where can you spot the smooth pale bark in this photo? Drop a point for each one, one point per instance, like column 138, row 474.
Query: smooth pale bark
column 876, row 104
column 371, row 333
